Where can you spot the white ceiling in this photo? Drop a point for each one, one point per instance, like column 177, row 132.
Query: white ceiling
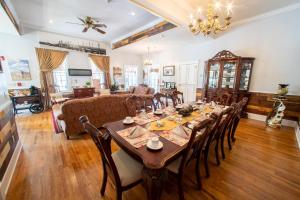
column 6, row 26
column 176, row 10
column 116, row 14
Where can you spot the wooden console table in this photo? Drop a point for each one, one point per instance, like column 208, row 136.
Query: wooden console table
column 83, row 92
column 25, row 102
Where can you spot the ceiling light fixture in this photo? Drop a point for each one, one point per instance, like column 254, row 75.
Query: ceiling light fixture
column 132, row 13
column 50, row 21
column 210, row 24
column 148, row 61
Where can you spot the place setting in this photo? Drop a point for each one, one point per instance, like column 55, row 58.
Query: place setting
column 137, row 136
column 179, row 135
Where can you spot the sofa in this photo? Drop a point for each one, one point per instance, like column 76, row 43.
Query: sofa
column 141, row 90
column 100, row 110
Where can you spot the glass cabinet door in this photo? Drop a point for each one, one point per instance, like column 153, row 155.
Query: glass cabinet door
column 245, row 75
column 213, row 75
column 228, row 75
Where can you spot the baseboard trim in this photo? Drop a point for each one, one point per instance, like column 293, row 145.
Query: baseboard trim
column 285, row 122
column 4, row 185
column 263, row 118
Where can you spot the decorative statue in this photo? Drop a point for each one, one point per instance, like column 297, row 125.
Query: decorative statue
column 275, row 117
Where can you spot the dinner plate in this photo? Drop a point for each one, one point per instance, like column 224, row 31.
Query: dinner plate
column 158, row 112
column 158, row 147
column 128, row 122
column 199, row 102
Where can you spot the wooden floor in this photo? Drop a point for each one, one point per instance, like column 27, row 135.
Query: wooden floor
column 264, row 164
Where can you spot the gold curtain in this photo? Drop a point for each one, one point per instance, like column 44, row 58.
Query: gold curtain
column 49, row 60
column 102, row 62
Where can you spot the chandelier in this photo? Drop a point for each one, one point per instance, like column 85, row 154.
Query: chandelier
column 210, row 24
column 148, row 61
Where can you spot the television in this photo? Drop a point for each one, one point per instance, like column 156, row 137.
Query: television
column 80, row 72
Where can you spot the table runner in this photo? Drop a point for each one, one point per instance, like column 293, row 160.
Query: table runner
column 142, row 120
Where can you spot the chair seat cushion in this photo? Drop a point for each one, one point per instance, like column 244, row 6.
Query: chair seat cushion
column 174, row 166
column 129, row 169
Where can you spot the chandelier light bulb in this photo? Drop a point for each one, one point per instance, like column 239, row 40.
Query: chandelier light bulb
column 211, row 22
column 217, row 5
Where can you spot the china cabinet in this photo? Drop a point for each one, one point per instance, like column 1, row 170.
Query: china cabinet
column 229, row 73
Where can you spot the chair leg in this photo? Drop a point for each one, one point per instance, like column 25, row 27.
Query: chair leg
column 222, row 144
column 103, row 186
column 198, row 175
column 119, row 194
column 228, row 138
column 217, row 151
column 233, row 130
column 180, row 189
column 206, row 151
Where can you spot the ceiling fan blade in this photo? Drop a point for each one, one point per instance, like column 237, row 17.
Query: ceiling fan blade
column 74, row 23
column 83, row 21
column 85, row 29
column 100, row 25
column 98, row 30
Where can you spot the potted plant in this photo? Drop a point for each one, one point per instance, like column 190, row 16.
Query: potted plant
column 114, row 87
column 88, row 84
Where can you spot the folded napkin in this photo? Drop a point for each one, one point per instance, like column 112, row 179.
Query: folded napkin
column 136, row 132
column 181, row 132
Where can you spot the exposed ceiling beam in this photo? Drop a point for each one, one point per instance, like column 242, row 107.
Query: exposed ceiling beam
column 10, row 15
column 156, row 29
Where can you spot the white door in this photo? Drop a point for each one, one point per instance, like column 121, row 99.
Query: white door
column 187, row 81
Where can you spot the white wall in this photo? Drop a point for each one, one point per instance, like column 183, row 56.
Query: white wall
column 15, row 47
column 19, row 47
column 273, row 41
column 119, row 59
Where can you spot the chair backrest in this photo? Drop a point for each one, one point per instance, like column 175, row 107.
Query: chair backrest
column 135, row 104
column 204, row 127
column 223, row 98
column 217, row 117
column 177, row 98
column 158, row 100
column 226, row 119
column 102, row 141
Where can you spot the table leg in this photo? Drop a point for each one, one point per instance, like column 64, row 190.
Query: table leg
column 154, row 180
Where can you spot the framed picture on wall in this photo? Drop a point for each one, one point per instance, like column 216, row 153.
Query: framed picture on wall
column 169, row 70
column 19, row 70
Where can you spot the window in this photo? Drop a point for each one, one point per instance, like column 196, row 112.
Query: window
column 98, row 76
column 60, row 77
column 154, row 78
column 131, row 75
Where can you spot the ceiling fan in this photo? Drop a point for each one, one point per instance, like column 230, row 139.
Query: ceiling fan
column 90, row 22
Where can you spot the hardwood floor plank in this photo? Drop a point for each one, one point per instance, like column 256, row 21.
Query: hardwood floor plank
column 263, row 164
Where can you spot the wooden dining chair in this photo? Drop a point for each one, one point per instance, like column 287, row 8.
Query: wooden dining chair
column 216, row 116
column 158, row 100
column 223, row 98
column 223, row 125
column 135, row 104
column 121, row 168
column 177, row 98
column 226, row 127
column 178, row 166
column 236, row 120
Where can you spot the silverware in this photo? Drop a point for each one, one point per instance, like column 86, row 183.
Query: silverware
column 132, row 131
column 139, row 142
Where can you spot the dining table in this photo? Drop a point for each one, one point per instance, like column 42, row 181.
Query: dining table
column 154, row 173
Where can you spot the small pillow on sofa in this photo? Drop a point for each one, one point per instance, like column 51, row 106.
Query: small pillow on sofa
column 141, row 90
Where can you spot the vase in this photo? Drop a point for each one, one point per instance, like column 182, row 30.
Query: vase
column 283, row 89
